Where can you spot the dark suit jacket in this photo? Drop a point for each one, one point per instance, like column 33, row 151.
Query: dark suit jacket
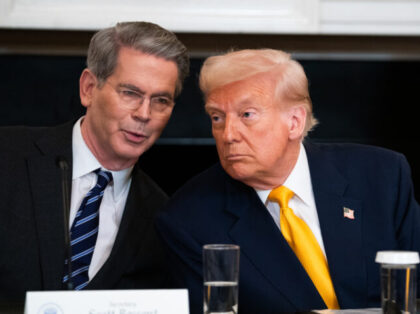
column 214, row 208
column 32, row 248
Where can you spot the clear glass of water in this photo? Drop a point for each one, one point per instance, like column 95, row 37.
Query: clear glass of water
column 220, row 274
column 398, row 281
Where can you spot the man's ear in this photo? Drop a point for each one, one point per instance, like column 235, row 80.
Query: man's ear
column 297, row 121
column 87, row 84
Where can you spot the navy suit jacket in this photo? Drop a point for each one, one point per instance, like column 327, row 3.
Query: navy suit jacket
column 32, row 247
column 214, row 208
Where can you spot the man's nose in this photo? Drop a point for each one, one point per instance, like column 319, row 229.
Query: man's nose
column 144, row 111
column 230, row 132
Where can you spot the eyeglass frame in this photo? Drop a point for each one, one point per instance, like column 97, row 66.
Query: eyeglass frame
column 132, row 98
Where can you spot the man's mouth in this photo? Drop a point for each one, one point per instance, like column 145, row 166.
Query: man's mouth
column 135, row 137
column 235, row 157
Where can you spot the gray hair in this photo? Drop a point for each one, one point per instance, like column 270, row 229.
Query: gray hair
column 292, row 83
column 146, row 37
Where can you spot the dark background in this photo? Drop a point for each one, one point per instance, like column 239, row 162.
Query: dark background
column 364, row 101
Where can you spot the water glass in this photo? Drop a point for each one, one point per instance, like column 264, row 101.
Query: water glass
column 398, row 281
column 220, row 274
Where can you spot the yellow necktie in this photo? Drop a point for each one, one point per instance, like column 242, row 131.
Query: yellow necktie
column 306, row 247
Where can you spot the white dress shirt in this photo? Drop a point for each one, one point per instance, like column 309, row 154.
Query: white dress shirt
column 303, row 201
column 113, row 201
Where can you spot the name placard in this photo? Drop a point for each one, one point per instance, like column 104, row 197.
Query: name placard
column 108, row 302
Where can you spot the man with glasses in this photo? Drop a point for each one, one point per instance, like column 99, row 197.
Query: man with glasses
column 134, row 72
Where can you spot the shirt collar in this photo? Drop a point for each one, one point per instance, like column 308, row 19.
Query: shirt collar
column 299, row 180
column 85, row 162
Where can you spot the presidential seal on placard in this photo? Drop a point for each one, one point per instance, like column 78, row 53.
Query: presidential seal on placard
column 50, row 308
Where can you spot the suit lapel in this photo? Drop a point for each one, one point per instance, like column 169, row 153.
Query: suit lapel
column 45, row 181
column 342, row 236
column 263, row 244
column 134, row 227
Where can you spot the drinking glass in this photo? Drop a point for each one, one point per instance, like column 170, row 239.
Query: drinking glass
column 220, row 274
column 398, row 281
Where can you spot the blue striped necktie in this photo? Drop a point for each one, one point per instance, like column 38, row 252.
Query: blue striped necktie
column 84, row 231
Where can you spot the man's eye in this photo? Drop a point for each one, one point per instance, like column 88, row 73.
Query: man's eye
column 160, row 103
column 162, row 100
column 248, row 114
column 215, row 118
column 129, row 94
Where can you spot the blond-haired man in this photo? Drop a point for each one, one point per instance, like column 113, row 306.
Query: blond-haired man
column 309, row 218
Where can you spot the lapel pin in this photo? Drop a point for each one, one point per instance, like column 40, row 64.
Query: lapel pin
column 348, row 213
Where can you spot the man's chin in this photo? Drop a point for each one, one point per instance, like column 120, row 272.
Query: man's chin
column 135, row 149
column 237, row 171
column 133, row 155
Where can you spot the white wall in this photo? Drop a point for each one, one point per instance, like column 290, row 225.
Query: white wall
column 387, row 17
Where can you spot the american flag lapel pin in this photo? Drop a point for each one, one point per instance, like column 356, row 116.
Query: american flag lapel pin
column 348, row 213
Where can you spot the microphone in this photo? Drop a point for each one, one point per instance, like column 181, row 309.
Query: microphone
column 64, row 167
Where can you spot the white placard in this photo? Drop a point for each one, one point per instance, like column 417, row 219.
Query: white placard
column 108, row 302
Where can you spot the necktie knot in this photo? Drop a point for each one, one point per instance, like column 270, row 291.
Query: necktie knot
column 104, row 178
column 281, row 195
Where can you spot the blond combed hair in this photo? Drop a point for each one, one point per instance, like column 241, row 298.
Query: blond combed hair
column 291, row 80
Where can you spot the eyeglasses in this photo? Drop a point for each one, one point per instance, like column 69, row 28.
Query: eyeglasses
column 132, row 98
